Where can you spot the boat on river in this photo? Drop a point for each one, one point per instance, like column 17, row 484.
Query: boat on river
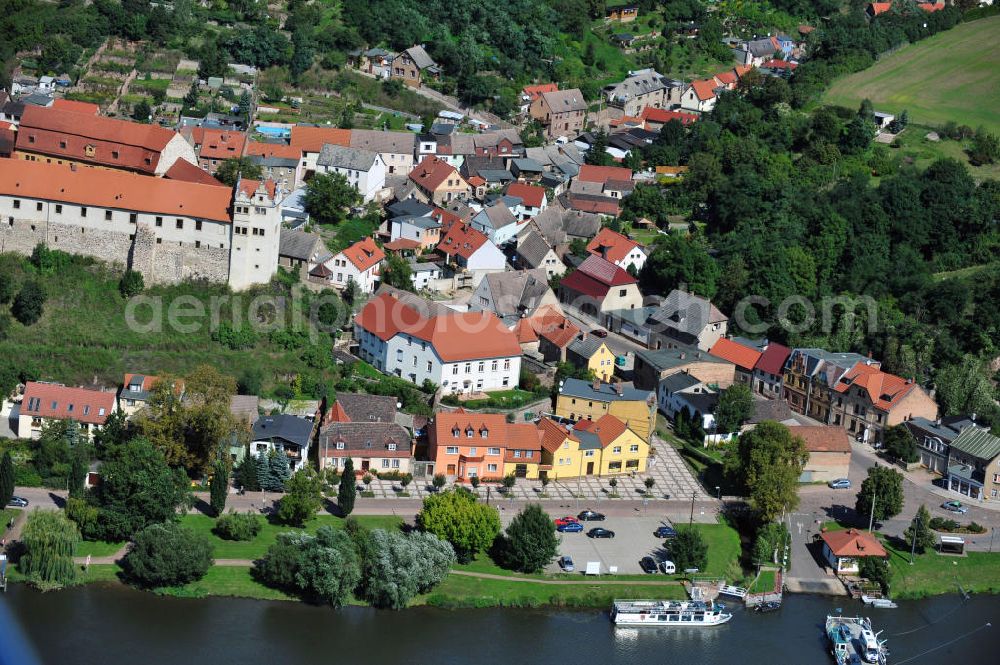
column 852, row 641
column 881, row 603
column 668, row 613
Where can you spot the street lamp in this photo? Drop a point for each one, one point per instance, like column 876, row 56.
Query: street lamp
column 718, row 493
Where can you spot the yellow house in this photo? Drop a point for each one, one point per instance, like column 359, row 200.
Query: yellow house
column 583, row 400
column 592, row 448
column 590, row 352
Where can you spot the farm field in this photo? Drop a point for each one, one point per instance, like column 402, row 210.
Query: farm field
column 954, row 75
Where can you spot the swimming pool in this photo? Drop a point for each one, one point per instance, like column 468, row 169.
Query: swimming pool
column 276, row 132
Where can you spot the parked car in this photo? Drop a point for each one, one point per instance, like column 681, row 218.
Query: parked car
column 598, row 532
column 665, row 532
column 840, row 484
column 955, row 507
column 591, row 516
column 566, row 563
column 566, row 520
column 570, row 527
column 649, row 565
column 599, row 332
column 18, row 502
column 668, row 567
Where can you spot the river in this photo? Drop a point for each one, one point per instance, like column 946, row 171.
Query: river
column 108, row 625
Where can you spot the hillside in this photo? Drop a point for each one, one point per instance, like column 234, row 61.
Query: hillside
column 954, row 75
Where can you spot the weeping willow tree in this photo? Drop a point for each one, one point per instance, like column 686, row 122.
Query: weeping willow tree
column 48, row 538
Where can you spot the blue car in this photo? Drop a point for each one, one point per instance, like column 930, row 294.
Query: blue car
column 570, row 527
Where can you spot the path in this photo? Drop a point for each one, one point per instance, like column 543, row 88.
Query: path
column 506, row 578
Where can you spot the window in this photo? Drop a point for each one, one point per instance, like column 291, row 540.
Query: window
column 391, row 446
column 517, row 453
column 454, row 369
column 506, row 364
column 180, row 223
column 114, row 154
column 468, row 433
column 621, row 293
column 429, row 365
column 506, row 381
column 468, row 367
column 133, row 218
column 17, row 204
column 588, row 453
column 107, row 215
column 634, row 448
column 69, row 408
column 493, row 467
column 385, row 463
column 58, row 209
column 451, row 450
column 83, row 211
column 496, row 451
column 482, row 367
column 197, row 225
column 493, row 367
column 159, row 221
column 86, row 409
column 616, row 449
column 38, row 206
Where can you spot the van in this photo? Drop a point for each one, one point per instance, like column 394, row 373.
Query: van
column 668, row 567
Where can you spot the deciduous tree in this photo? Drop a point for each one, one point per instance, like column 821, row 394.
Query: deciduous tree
column 768, row 463
column 48, row 538
column 530, row 543
column 398, row 566
column 885, row 487
column 231, row 170
column 323, row 568
column 167, row 555
column 456, row 516
column 304, row 496
column 919, row 534
column 735, row 407
column 329, row 197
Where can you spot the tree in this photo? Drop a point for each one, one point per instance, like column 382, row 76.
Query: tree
column 876, row 569
column 78, row 468
column 438, row 481
column 508, row 482
column 29, row 303
column 323, row 568
column 191, row 98
column 530, row 543
column 768, row 462
column 770, row 543
column 964, row 388
column 8, row 287
column 131, row 284
column 649, row 482
column 396, row 272
column 919, row 533
column 137, row 488
column 245, row 475
column 397, row 566
column 688, row 549
column 303, row 498
column 900, row 444
column 262, row 469
column 141, row 111
column 985, row 148
column 231, row 170
column 277, row 470
column 347, row 492
column 167, row 555
column 245, row 103
column 115, row 431
column 238, row 526
column 597, row 153
column 735, row 407
column 49, row 538
column 6, row 478
column 329, row 196
column 885, row 486
column 219, row 485
column 456, row 516
column 678, row 261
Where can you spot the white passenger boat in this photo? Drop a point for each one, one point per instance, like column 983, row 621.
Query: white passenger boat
column 668, row 613
column 882, row 603
column 852, row 641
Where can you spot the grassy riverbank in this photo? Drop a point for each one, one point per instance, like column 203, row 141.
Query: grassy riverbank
column 933, row 574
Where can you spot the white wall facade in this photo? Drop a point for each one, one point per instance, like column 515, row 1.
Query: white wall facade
column 368, row 183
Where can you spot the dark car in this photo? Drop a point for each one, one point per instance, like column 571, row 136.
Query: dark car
column 599, row 332
column 569, row 527
column 665, row 532
column 566, row 563
column 18, row 502
column 598, row 532
column 590, row 516
column 649, row 565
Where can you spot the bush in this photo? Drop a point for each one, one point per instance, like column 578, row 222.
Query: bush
column 131, row 284
column 303, row 499
column 975, row 527
column 396, row 567
column 937, row 523
column 243, row 337
column 167, row 555
column 323, row 568
column 29, row 303
column 84, row 514
column 238, row 526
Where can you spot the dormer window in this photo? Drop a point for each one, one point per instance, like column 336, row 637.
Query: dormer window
column 392, row 446
column 468, row 433
column 86, row 410
column 455, row 432
column 100, row 411
column 340, row 445
column 484, row 432
column 368, row 444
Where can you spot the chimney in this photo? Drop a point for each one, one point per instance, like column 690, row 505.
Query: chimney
column 597, row 385
column 619, row 388
column 72, row 166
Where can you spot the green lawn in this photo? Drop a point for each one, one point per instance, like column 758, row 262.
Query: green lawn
column 764, row 583
column 916, row 149
column 96, row 548
column 227, row 581
column 954, row 75
column 252, row 549
column 723, row 547
column 933, row 574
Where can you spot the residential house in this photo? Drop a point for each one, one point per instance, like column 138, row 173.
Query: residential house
column 363, row 169
column 278, row 162
column 526, row 169
column 767, row 374
column 395, row 148
column 974, row 464
column 590, row 352
column 743, row 357
column 844, row 549
column 534, row 252
column 655, row 119
column 614, row 181
column 284, row 433
column 497, row 222
column 413, row 66
column 135, row 392
column 829, row 453
column 423, row 274
column 682, row 392
column 43, row 403
column 598, row 287
column 641, row 89
column 438, row 181
column 359, row 264
column 471, row 250
column 701, row 95
column 561, row 112
column 532, row 199
column 602, row 447
column 465, row 445
column 376, row 61
column 462, row 352
column 809, row 377
column 616, row 248
column 309, row 141
column 376, row 447
column 589, row 400
column 934, row 439
column 757, row 51
column 553, row 333
column 530, row 93
column 513, row 295
column 622, row 12
column 560, row 226
column 361, row 408
column 685, row 318
column 866, row 401
column 299, row 251
column 424, row 230
column 652, row 366
column 214, row 146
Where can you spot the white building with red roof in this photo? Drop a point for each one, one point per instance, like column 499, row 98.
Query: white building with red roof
column 598, row 287
column 360, row 263
column 404, row 335
column 616, row 248
column 471, row 250
column 844, row 549
column 47, row 402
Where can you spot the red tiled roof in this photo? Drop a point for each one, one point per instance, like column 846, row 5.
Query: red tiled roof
column 879, row 7
column 364, row 254
column 611, row 245
column 400, row 244
column 650, row 114
column 553, row 434
column 704, row 89
column 773, row 359
column 931, row 7
column 431, row 173
column 76, row 107
column 741, row 356
column 477, row 181
column 148, row 382
column 106, row 188
column 312, row 139
column 853, row 543
column 445, row 217
column 220, row 144
column 605, row 272
column 95, row 140
column 524, row 332
column 455, row 336
column 532, row 195
column 884, row 390
column 462, row 239
column 779, row 64
column 581, row 283
column 274, row 150
column 601, row 174
column 524, row 436
column 823, row 438
column 598, row 206
column 443, row 430
column 533, row 91
column 727, row 79
column 741, row 70
column 250, row 187
column 557, row 329
column 187, row 172
column 49, row 400
column 607, row 428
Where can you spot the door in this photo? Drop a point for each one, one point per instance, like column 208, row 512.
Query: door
column 590, row 468
column 521, row 471
column 365, row 465
column 451, row 469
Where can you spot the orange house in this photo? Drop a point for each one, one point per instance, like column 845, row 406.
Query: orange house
column 465, row 445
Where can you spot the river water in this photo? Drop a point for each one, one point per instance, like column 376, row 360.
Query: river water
column 108, row 625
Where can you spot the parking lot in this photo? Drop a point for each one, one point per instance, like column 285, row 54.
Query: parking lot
column 633, row 540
